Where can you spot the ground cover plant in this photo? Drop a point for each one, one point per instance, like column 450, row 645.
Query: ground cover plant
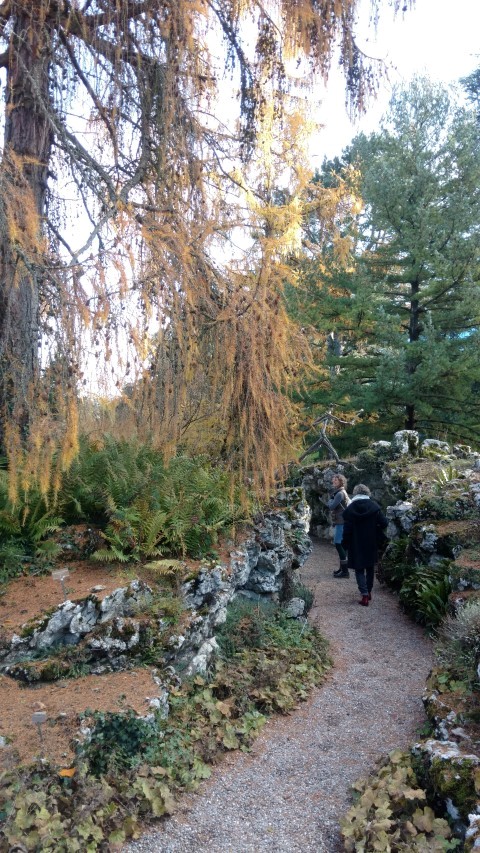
column 423, row 589
column 458, row 646
column 391, row 814
column 131, row 769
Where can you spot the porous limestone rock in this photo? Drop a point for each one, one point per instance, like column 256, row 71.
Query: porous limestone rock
column 405, row 442
column 295, row 608
column 401, row 518
column 432, row 447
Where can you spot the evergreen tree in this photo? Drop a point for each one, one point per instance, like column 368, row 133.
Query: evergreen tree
column 405, row 314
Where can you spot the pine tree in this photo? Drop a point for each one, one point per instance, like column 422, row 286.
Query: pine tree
column 407, row 310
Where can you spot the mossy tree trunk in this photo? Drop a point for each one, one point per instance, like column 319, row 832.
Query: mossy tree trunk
column 23, row 176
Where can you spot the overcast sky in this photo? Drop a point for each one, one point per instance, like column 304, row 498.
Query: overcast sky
column 439, row 38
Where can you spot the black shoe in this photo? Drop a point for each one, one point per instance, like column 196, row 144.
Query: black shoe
column 341, row 573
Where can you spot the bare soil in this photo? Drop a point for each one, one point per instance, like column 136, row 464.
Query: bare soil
column 28, row 597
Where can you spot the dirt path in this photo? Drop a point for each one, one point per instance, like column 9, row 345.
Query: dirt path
column 289, row 793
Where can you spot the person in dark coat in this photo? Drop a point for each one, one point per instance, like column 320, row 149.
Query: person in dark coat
column 363, row 526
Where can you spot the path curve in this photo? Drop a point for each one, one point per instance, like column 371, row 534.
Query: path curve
column 288, row 794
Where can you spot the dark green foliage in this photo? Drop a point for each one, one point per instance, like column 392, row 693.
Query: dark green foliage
column 395, row 565
column 424, row 594
column 304, row 592
column 111, row 474
column 244, row 627
column 151, row 508
column 12, row 558
column 423, row 590
column 397, row 328
column 262, row 625
column 117, row 741
column 24, row 531
column 146, row 508
column 437, row 507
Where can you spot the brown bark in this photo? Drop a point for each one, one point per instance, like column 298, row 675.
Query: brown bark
column 23, row 174
column 414, row 330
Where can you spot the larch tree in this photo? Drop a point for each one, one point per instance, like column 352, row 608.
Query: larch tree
column 113, row 195
column 405, row 310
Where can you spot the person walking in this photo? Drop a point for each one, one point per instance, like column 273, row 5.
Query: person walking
column 363, row 526
column 337, row 504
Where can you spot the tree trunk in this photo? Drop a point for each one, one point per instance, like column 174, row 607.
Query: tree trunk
column 23, row 184
column 410, row 418
column 414, row 330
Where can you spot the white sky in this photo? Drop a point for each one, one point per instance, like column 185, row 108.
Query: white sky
column 439, row 38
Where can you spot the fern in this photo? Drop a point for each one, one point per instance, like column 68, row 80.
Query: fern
column 12, row 559
column 425, row 594
column 165, row 568
column 9, row 525
column 148, row 509
column 154, row 532
column 38, row 529
column 111, row 555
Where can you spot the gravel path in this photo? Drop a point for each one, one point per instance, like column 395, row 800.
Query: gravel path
column 289, row 793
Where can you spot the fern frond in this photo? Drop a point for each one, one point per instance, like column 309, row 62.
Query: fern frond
column 165, row 568
column 42, row 526
column 111, row 555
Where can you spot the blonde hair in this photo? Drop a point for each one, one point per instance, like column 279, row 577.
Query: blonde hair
column 343, row 480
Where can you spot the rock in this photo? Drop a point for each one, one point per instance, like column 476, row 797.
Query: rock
column 199, row 663
column 160, row 704
column 450, row 773
column 85, row 619
column 405, row 442
column 472, row 834
column 428, row 538
column 381, row 447
column 270, row 535
column 295, row 608
column 108, row 635
column 401, row 517
column 434, row 448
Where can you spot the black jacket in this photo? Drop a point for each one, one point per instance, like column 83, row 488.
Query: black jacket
column 364, row 524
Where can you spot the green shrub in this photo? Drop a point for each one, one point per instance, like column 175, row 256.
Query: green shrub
column 12, row 558
column 395, row 565
column 179, row 509
column 113, row 473
column 244, row 627
column 424, row 594
column 458, row 643
column 117, row 741
column 306, row 594
column 24, row 531
column 147, row 508
column 444, row 508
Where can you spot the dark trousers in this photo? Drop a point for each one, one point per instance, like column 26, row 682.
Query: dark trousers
column 365, row 579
